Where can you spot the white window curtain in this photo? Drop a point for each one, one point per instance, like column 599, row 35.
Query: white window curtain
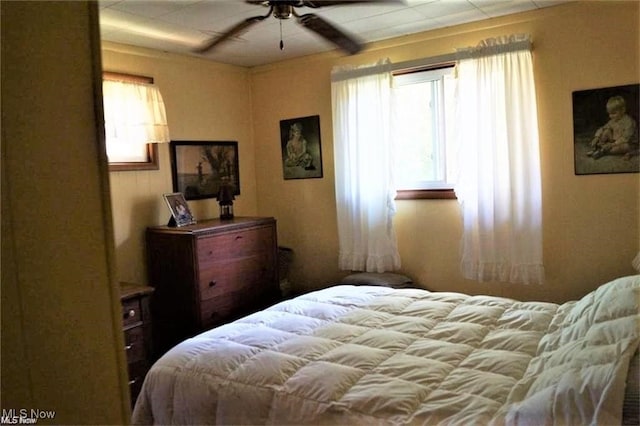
column 364, row 190
column 499, row 185
column 134, row 113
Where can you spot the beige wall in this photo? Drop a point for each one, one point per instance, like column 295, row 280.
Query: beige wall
column 62, row 342
column 204, row 101
column 591, row 230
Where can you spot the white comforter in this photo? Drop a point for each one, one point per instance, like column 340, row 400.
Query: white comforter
column 375, row 355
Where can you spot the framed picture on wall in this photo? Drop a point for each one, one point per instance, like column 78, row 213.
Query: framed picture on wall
column 301, row 148
column 180, row 213
column 199, row 167
column 605, row 130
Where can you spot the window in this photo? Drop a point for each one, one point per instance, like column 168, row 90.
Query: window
column 423, row 112
column 140, row 157
column 135, row 120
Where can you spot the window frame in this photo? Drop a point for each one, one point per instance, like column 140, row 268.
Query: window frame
column 152, row 162
column 425, row 193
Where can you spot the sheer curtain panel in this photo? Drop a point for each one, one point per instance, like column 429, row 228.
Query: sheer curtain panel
column 499, row 185
column 363, row 162
column 134, row 113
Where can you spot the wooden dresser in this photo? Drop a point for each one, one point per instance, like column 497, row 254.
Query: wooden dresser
column 209, row 273
column 136, row 321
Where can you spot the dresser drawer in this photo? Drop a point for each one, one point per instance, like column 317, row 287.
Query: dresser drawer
column 137, row 371
column 134, row 344
column 216, row 281
column 131, row 312
column 216, row 311
column 234, row 245
column 245, row 296
column 220, row 278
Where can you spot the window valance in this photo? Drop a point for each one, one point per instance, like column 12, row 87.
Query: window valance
column 134, row 113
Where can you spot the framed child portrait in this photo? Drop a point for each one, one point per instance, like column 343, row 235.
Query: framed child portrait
column 180, row 213
column 605, row 130
column 301, row 149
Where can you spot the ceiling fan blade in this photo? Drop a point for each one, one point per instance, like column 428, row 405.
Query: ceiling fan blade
column 231, row 32
column 323, row 3
column 330, row 32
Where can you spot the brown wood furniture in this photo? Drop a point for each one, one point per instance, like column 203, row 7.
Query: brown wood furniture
column 209, row 273
column 136, row 319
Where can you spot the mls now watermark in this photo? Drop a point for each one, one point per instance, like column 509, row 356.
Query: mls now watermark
column 23, row 416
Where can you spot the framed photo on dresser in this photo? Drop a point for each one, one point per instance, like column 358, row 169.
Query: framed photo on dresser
column 180, row 213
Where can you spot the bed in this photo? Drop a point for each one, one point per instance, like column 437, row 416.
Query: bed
column 375, row 355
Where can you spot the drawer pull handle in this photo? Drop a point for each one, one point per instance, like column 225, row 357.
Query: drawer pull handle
column 130, row 314
column 128, row 347
column 212, row 283
column 133, row 382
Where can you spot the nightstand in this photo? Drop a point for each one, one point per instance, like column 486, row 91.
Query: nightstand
column 136, row 322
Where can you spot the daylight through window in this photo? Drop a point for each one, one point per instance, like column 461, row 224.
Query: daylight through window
column 135, row 118
column 423, row 112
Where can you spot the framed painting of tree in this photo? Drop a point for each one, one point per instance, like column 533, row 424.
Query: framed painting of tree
column 199, row 167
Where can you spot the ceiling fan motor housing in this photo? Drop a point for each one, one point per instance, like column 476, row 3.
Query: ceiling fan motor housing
column 282, row 10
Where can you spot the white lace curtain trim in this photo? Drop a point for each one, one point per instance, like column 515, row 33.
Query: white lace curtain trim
column 372, row 263
column 503, row 272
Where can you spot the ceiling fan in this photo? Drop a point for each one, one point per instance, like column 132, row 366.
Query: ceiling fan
column 285, row 9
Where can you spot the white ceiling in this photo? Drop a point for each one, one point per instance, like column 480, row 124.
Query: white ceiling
column 179, row 26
